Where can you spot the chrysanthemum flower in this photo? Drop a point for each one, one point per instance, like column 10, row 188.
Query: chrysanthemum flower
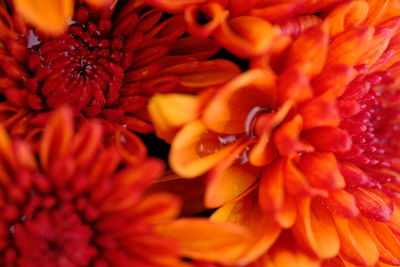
column 308, row 142
column 105, row 65
column 248, row 28
column 70, row 204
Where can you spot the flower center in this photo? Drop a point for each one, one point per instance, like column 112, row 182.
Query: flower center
column 371, row 119
column 83, row 67
column 54, row 238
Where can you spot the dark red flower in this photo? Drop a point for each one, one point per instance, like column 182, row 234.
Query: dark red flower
column 106, row 65
column 71, row 205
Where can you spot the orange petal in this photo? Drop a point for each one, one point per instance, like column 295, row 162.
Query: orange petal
column 230, row 178
column 169, row 112
column 296, row 182
column 157, row 208
column 192, row 200
column 346, row 15
column 308, row 52
column 263, row 231
column 377, row 9
column 272, row 188
column 315, row 229
column 343, row 203
column 287, row 137
column 6, row 157
column 202, row 20
column 356, row 244
column 130, row 146
column 318, row 112
column 386, row 241
column 195, row 150
column 86, row 143
column 100, row 2
column 229, row 184
column 294, row 85
column 376, row 47
column 264, row 151
column 245, row 36
column 322, row 170
column 48, row 15
column 197, row 74
column 334, row 79
column 348, row 46
column 228, row 110
column 285, row 253
column 328, row 139
column 173, row 6
column 373, row 204
column 206, row 240
column 57, row 137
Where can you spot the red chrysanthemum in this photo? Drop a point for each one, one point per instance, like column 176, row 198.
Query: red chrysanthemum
column 106, row 65
column 74, row 203
column 70, row 205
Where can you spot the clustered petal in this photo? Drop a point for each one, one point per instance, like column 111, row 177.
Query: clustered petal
column 280, row 120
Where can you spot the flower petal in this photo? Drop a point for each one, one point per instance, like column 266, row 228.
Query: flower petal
column 202, row 20
column 343, row 203
column 334, row 79
column 227, row 112
column 198, row 74
column 263, row 231
column 287, row 137
column 56, row 139
column 308, row 52
column 386, row 241
column 171, row 111
column 245, row 36
column 373, row 204
column 348, row 46
column 322, row 170
column 195, row 150
column 229, row 179
column 206, row 240
column 318, row 112
column 328, row 139
column 294, row 85
column 48, row 15
column 356, row 244
column 346, row 15
column 376, row 47
column 315, row 229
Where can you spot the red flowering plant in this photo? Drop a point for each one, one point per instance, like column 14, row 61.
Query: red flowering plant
column 106, row 64
column 304, row 146
column 71, row 204
column 298, row 154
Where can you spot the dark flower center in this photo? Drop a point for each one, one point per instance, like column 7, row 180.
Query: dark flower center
column 83, row 67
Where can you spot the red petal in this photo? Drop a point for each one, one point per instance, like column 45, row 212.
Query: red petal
column 328, row 139
column 322, row 170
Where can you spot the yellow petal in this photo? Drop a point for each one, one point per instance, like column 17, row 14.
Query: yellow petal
column 50, row 16
column 169, row 112
column 263, row 230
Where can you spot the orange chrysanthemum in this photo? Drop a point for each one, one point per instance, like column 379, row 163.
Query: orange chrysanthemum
column 305, row 144
column 248, row 28
column 70, row 204
column 106, row 65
